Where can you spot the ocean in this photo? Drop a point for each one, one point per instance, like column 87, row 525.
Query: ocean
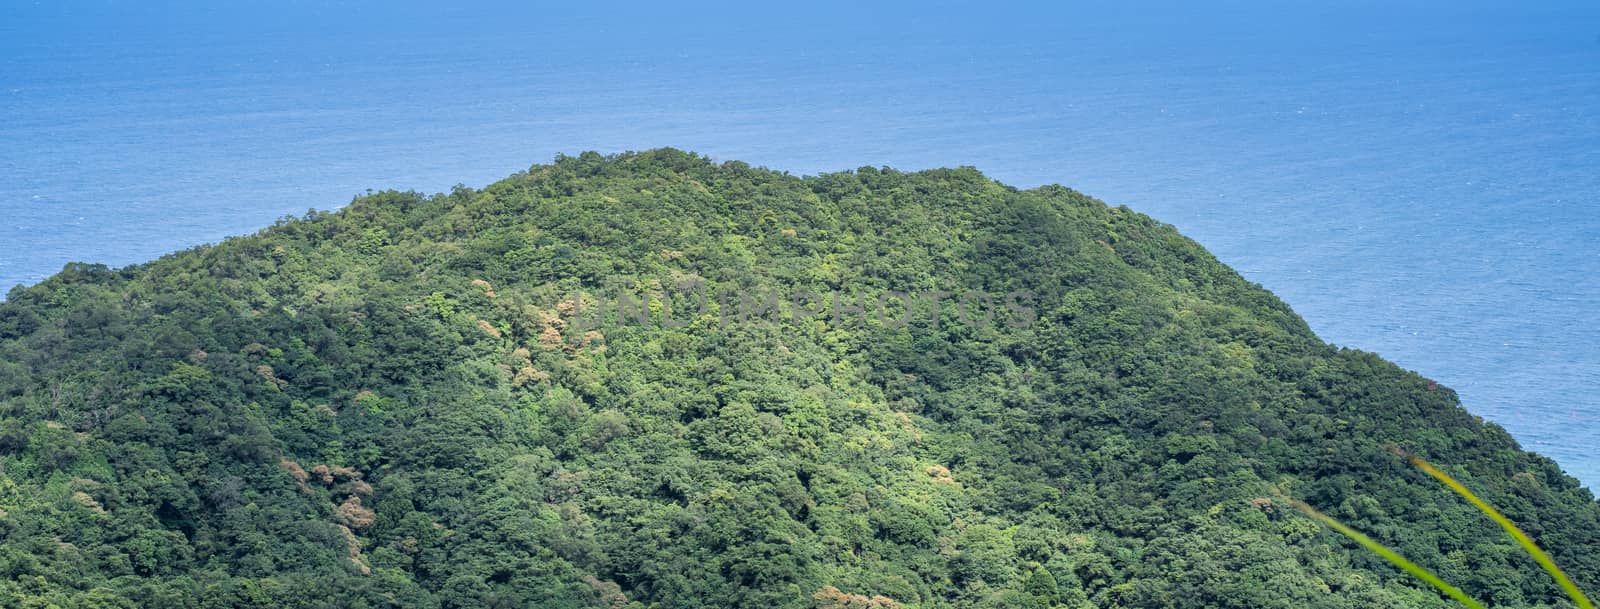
column 1417, row 179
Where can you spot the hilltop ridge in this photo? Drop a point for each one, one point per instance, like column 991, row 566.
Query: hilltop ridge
column 654, row 380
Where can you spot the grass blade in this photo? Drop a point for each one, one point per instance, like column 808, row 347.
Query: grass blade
column 1505, row 523
column 1390, row 555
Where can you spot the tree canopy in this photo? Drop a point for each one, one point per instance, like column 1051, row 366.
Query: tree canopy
column 402, row 404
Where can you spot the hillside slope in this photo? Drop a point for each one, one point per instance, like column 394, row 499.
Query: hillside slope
column 412, row 402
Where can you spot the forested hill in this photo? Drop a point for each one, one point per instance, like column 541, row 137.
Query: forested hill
column 651, row 380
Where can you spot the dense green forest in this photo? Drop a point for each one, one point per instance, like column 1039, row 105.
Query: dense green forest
column 403, row 404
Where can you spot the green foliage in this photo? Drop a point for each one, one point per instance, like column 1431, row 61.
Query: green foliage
column 1571, row 589
column 396, row 405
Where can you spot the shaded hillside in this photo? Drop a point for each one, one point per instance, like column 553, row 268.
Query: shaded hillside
column 413, row 402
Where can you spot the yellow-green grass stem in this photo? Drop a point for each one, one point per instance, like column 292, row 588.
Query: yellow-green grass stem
column 1394, row 557
column 1505, row 523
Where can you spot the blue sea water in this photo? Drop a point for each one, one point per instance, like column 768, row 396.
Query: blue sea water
column 1418, row 179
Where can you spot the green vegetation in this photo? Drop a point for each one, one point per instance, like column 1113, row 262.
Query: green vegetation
column 1390, row 555
column 394, row 406
column 1567, row 585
